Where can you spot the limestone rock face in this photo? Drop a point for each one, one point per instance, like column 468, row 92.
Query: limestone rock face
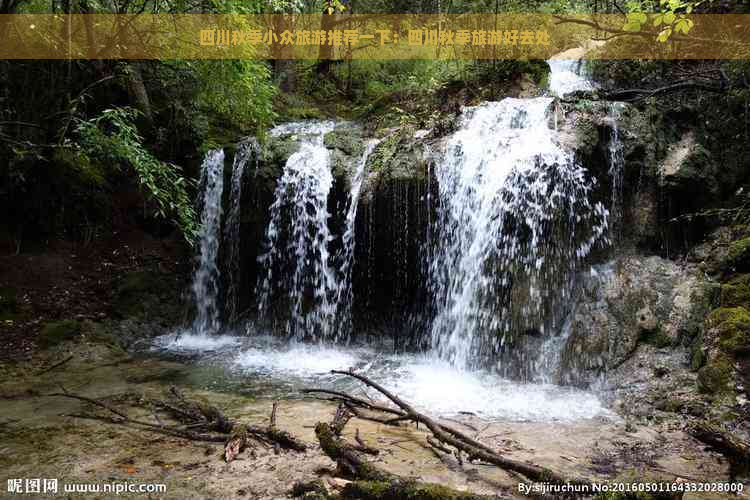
column 634, row 301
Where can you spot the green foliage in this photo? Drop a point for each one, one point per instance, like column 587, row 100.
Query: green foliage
column 670, row 16
column 238, row 92
column 113, row 137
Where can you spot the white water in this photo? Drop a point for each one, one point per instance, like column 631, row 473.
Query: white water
column 207, row 276
column 303, row 270
column 514, row 220
column 616, row 167
column 188, row 341
column 344, row 292
column 566, row 76
column 245, row 152
column 276, row 368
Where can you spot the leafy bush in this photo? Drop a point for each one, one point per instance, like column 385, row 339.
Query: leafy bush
column 112, row 137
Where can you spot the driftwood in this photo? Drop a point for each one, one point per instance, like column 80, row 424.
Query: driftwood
column 369, row 482
column 449, row 436
column 198, row 421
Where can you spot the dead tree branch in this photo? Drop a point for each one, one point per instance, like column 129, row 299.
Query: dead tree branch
column 474, row 449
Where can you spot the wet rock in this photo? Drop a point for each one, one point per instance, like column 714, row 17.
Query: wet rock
column 729, row 329
column 717, row 377
column 633, row 301
column 723, row 252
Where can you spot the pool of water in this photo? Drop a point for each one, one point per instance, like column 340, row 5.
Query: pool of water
column 267, row 367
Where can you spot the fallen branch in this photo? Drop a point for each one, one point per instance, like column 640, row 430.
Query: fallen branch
column 199, row 421
column 463, row 443
column 371, row 482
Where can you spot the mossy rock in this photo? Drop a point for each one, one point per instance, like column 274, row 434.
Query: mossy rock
column 736, row 292
column 56, row 332
column 717, row 376
column 697, row 354
column 347, row 139
column 398, row 157
column 738, row 256
column 278, row 149
column 405, row 489
column 733, row 327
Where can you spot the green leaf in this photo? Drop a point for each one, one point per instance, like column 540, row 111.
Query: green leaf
column 664, row 35
column 669, row 18
column 658, row 19
column 631, row 26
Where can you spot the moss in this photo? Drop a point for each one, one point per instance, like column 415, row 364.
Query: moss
column 348, row 140
column 697, row 355
column 716, row 376
column 670, row 405
column 404, row 490
column 733, row 327
column 736, row 292
column 56, row 332
column 398, row 157
column 738, row 255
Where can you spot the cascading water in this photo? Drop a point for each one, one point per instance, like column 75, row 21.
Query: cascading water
column 344, row 293
column 616, row 167
column 515, row 219
column 245, row 152
column 206, row 279
column 511, row 222
column 300, row 271
column 566, row 76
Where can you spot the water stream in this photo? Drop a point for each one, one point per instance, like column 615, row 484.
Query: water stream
column 512, row 223
column 299, row 272
column 246, row 152
column 515, row 219
column 207, row 275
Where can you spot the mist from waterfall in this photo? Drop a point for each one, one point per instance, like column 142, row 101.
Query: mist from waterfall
column 207, row 276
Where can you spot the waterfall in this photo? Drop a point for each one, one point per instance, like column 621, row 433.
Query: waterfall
column 566, row 76
column 514, row 220
column 616, row 168
column 207, row 277
column 296, row 262
column 344, row 293
column 245, row 152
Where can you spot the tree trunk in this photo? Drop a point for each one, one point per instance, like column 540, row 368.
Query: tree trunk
column 137, row 90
